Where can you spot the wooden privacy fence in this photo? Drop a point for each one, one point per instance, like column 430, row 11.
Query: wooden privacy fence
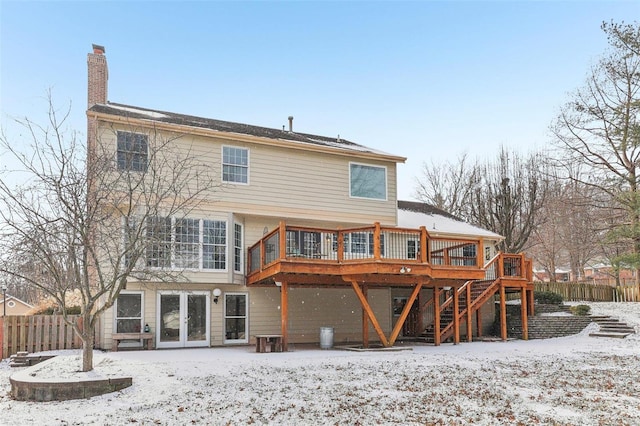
column 36, row 333
column 627, row 293
column 591, row 292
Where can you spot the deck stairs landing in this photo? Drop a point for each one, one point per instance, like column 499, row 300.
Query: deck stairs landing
column 611, row 327
column 481, row 291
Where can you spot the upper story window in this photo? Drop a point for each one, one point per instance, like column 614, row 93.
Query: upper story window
column 235, row 164
column 132, row 151
column 366, row 181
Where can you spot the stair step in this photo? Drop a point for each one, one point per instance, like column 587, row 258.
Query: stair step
column 618, row 327
column 611, row 334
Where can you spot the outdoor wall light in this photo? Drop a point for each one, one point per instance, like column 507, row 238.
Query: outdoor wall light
column 278, row 284
column 405, row 269
column 216, row 294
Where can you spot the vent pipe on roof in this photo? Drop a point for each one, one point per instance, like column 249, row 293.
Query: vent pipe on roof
column 291, row 123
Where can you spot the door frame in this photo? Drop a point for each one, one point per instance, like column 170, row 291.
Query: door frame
column 183, row 342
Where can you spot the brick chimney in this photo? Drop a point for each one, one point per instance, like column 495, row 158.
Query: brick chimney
column 98, row 76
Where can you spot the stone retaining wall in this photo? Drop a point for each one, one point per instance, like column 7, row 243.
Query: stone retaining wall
column 62, row 391
column 27, row 386
column 545, row 327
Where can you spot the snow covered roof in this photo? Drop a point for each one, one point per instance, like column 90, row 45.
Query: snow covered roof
column 339, row 143
column 438, row 222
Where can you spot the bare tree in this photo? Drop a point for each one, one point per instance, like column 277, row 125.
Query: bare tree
column 503, row 195
column 508, row 197
column 599, row 130
column 448, row 185
column 569, row 230
column 91, row 223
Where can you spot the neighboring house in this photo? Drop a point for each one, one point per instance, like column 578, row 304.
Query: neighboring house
column 309, row 234
column 561, row 275
column 14, row 306
column 604, row 273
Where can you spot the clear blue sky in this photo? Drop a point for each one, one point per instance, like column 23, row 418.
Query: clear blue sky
column 417, row 79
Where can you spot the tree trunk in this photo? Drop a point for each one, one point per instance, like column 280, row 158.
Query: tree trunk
column 88, row 339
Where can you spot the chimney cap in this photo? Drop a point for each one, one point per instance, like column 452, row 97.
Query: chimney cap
column 97, row 49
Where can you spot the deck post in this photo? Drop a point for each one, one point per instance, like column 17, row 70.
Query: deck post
column 365, row 319
column 436, row 316
column 479, row 322
column 420, row 319
column 456, row 316
column 284, row 315
column 282, row 243
column 531, row 302
column 405, row 313
column 469, row 317
column 424, row 245
column 480, row 253
column 503, row 313
column 376, row 241
column 523, row 313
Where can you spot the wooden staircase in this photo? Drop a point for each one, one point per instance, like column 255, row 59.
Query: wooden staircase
column 478, row 292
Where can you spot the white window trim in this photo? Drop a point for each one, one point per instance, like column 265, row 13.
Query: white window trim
column 222, row 164
column 116, row 151
column 200, row 267
column 246, row 316
column 386, row 181
column 115, row 309
column 241, row 247
column 226, row 230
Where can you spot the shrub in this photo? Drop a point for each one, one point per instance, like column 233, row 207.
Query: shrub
column 71, row 310
column 581, row 310
column 547, row 297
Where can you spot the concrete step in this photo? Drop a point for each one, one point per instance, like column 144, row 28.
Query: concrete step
column 618, row 327
column 609, row 334
column 611, row 327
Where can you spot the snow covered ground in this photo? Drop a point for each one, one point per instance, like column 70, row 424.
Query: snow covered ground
column 576, row 380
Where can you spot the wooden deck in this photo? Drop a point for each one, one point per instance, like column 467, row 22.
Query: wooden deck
column 365, row 257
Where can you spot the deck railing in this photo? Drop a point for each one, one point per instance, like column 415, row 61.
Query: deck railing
column 360, row 244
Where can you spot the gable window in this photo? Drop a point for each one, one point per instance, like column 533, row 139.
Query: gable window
column 235, row 164
column 132, row 152
column 366, row 181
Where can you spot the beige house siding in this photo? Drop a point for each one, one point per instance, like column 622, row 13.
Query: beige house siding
column 313, row 308
column 309, row 309
column 286, row 183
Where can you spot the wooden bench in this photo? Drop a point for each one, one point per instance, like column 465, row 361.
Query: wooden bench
column 147, row 339
column 272, row 340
